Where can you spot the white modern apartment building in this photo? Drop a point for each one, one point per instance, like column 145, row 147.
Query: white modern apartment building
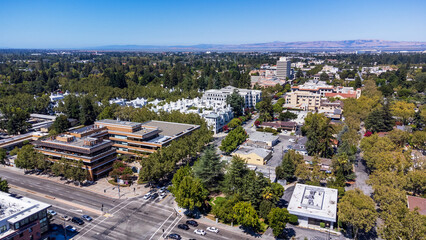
column 251, row 97
column 216, row 113
column 283, row 68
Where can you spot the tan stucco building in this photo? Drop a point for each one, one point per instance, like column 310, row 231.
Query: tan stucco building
column 255, row 156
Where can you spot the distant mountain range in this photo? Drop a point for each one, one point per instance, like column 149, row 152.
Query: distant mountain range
column 279, row 46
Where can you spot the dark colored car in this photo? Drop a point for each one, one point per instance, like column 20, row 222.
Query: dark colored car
column 174, row 236
column 154, row 196
column 183, row 226
column 77, row 220
column 192, row 223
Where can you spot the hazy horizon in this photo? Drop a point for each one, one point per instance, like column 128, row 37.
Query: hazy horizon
column 86, row 24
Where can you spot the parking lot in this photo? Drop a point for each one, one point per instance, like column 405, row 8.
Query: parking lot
column 286, row 142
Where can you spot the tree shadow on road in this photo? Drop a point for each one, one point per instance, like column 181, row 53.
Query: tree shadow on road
column 250, row 231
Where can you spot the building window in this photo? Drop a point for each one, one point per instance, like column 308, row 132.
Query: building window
column 3, row 229
column 30, row 229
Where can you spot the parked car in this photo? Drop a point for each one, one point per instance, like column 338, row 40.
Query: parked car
column 77, row 220
column 87, row 218
column 174, row 236
column 65, row 218
column 213, row 229
column 183, row 226
column 70, row 228
column 199, row 232
column 192, row 223
column 154, row 196
column 147, row 196
column 163, row 195
column 51, row 212
column 291, row 140
column 162, row 189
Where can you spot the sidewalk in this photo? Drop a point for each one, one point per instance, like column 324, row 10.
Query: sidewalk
column 220, row 226
column 69, row 203
column 101, row 186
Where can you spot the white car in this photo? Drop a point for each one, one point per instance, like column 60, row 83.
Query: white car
column 291, row 140
column 147, row 196
column 213, row 229
column 163, row 189
column 65, row 218
column 51, row 212
column 199, row 232
column 163, row 195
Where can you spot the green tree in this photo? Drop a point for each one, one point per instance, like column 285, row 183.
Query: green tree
column 246, row 215
column 178, row 177
column 403, row 110
column 4, row 187
column 61, row 124
column 234, row 177
column 87, row 111
column 358, row 211
column 418, row 140
column 288, row 165
column 264, row 208
column 287, row 116
column 3, row 155
column 234, row 138
column 236, row 102
column 224, row 209
column 358, row 83
column 319, row 132
column 324, row 77
column 26, row 158
column 70, row 106
column 266, row 110
column 14, row 120
column 191, row 193
column 108, row 112
column 210, row 169
column 234, row 123
column 379, row 120
column 278, row 219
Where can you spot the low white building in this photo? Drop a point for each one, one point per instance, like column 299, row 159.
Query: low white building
column 313, row 205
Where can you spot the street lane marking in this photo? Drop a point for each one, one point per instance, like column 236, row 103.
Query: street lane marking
column 160, row 226
column 167, row 233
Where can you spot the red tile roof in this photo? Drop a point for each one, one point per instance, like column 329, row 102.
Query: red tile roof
column 343, row 95
column 418, row 202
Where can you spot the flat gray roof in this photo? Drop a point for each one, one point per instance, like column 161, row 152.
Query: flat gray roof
column 117, row 122
column 171, row 128
column 262, row 137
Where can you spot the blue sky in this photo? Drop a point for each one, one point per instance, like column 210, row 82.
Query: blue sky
column 88, row 23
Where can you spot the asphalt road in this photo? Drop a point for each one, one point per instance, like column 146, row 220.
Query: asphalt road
column 124, row 219
column 59, row 190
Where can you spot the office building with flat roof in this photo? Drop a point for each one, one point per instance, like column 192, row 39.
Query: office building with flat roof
column 142, row 139
column 313, row 205
column 85, row 144
column 22, row 218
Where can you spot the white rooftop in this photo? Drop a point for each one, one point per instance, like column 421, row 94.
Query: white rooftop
column 15, row 209
column 314, row 202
